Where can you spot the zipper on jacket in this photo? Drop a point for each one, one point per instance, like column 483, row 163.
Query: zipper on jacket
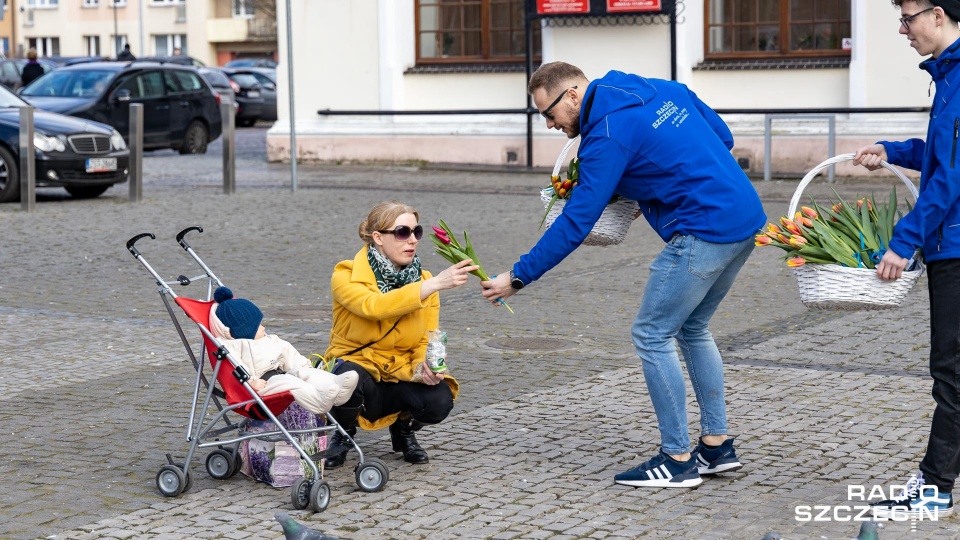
column 956, row 135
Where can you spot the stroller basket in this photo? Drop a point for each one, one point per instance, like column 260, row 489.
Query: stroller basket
column 229, row 382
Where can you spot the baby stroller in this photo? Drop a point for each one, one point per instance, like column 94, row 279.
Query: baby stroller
column 230, row 383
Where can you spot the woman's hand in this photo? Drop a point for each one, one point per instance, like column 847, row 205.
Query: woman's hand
column 258, row 385
column 453, row 276
column 430, row 377
column 870, row 156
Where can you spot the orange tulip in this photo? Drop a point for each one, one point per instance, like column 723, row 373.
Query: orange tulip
column 762, row 240
column 783, row 238
column 794, row 262
column 798, row 242
column 810, row 212
column 790, row 226
column 773, row 229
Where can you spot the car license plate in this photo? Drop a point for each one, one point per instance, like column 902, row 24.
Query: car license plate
column 253, row 94
column 95, row 165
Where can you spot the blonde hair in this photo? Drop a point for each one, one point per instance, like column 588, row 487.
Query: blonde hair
column 32, row 54
column 383, row 216
column 551, row 77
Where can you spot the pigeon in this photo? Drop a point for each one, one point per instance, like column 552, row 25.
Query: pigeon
column 869, row 530
column 296, row 531
column 772, row 536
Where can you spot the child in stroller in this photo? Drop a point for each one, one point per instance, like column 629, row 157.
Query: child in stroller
column 274, row 364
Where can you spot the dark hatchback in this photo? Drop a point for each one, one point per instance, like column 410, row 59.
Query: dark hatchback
column 180, row 110
column 82, row 156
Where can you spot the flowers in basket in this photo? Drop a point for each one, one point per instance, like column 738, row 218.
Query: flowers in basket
column 854, row 236
column 562, row 189
column 453, row 251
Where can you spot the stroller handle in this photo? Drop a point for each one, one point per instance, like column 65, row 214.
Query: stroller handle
column 130, row 243
column 183, row 243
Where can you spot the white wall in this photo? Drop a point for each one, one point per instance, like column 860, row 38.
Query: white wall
column 641, row 49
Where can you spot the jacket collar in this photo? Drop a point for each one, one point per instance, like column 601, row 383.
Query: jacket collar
column 361, row 268
column 940, row 66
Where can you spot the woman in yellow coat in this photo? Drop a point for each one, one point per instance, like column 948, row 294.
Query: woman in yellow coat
column 384, row 304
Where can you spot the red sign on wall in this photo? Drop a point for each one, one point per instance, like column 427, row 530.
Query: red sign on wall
column 559, row 7
column 633, row 5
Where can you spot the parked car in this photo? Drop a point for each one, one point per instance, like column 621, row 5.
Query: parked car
column 180, row 110
column 220, row 83
column 180, row 59
column 268, row 88
column 247, row 94
column 82, row 156
column 252, row 62
column 71, row 60
column 12, row 68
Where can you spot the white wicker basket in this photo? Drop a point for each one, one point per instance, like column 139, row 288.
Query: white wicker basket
column 613, row 224
column 832, row 286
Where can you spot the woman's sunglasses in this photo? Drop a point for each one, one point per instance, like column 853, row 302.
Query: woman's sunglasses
column 402, row 232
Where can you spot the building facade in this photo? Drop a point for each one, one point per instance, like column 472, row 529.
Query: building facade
column 389, row 55
column 212, row 31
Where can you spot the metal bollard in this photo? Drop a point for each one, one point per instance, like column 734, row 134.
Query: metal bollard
column 28, row 164
column 229, row 149
column 136, row 152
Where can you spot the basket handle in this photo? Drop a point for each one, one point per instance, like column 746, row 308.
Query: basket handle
column 563, row 155
column 795, row 201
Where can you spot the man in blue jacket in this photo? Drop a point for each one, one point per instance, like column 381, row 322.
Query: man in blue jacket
column 655, row 142
column 934, row 227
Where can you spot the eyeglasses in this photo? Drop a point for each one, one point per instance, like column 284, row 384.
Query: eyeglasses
column 905, row 21
column 546, row 112
column 402, row 232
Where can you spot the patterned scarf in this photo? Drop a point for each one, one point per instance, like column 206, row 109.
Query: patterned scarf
column 388, row 277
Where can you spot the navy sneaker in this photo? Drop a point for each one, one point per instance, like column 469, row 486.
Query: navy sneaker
column 662, row 471
column 917, row 499
column 716, row 460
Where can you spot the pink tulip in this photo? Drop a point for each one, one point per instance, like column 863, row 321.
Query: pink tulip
column 794, row 262
column 798, row 242
column 810, row 212
column 762, row 240
column 783, row 238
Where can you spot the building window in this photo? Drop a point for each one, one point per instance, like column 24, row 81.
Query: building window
column 5, row 46
column 118, row 3
column 165, row 44
column 166, row 2
column 90, row 3
column 43, row 3
column 474, row 31
column 243, row 9
column 776, row 28
column 119, row 42
column 45, row 46
column 91, row 45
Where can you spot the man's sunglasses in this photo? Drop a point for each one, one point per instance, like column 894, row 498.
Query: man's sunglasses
column 546, row 112
column 402, row 232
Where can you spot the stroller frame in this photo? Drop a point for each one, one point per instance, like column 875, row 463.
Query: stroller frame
column 225, row 461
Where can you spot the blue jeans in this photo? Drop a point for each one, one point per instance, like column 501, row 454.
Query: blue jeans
column 687, row 282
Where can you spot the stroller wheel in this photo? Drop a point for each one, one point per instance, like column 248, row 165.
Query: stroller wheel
column 300, row 494
column 220, row 464
column 171, row 481
column 187, row 476
column 372, row 475
column 320, row 496
column 237, row 462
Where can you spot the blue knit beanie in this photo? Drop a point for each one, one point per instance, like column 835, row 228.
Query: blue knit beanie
column 241, row 316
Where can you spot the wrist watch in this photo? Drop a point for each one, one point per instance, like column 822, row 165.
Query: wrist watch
column 515, row 282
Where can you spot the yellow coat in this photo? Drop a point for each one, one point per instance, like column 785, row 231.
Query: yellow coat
column 361, row 314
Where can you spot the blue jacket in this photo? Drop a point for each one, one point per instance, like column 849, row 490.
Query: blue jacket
column 655, row 142
column 934, row 222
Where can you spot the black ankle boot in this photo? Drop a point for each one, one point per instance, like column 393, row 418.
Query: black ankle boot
column 404, row 440
column 339, row 445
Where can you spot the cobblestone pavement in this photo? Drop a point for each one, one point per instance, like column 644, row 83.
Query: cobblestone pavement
column 96, row 385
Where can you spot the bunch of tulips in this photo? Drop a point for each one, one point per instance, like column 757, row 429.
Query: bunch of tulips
column 453, row 251
column 855, row 236
column 562, row 189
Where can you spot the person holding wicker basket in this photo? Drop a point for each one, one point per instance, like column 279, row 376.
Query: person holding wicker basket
column 655, row 142
column 932, row 226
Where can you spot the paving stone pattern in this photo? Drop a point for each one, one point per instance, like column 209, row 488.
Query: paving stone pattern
column 96, row 385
